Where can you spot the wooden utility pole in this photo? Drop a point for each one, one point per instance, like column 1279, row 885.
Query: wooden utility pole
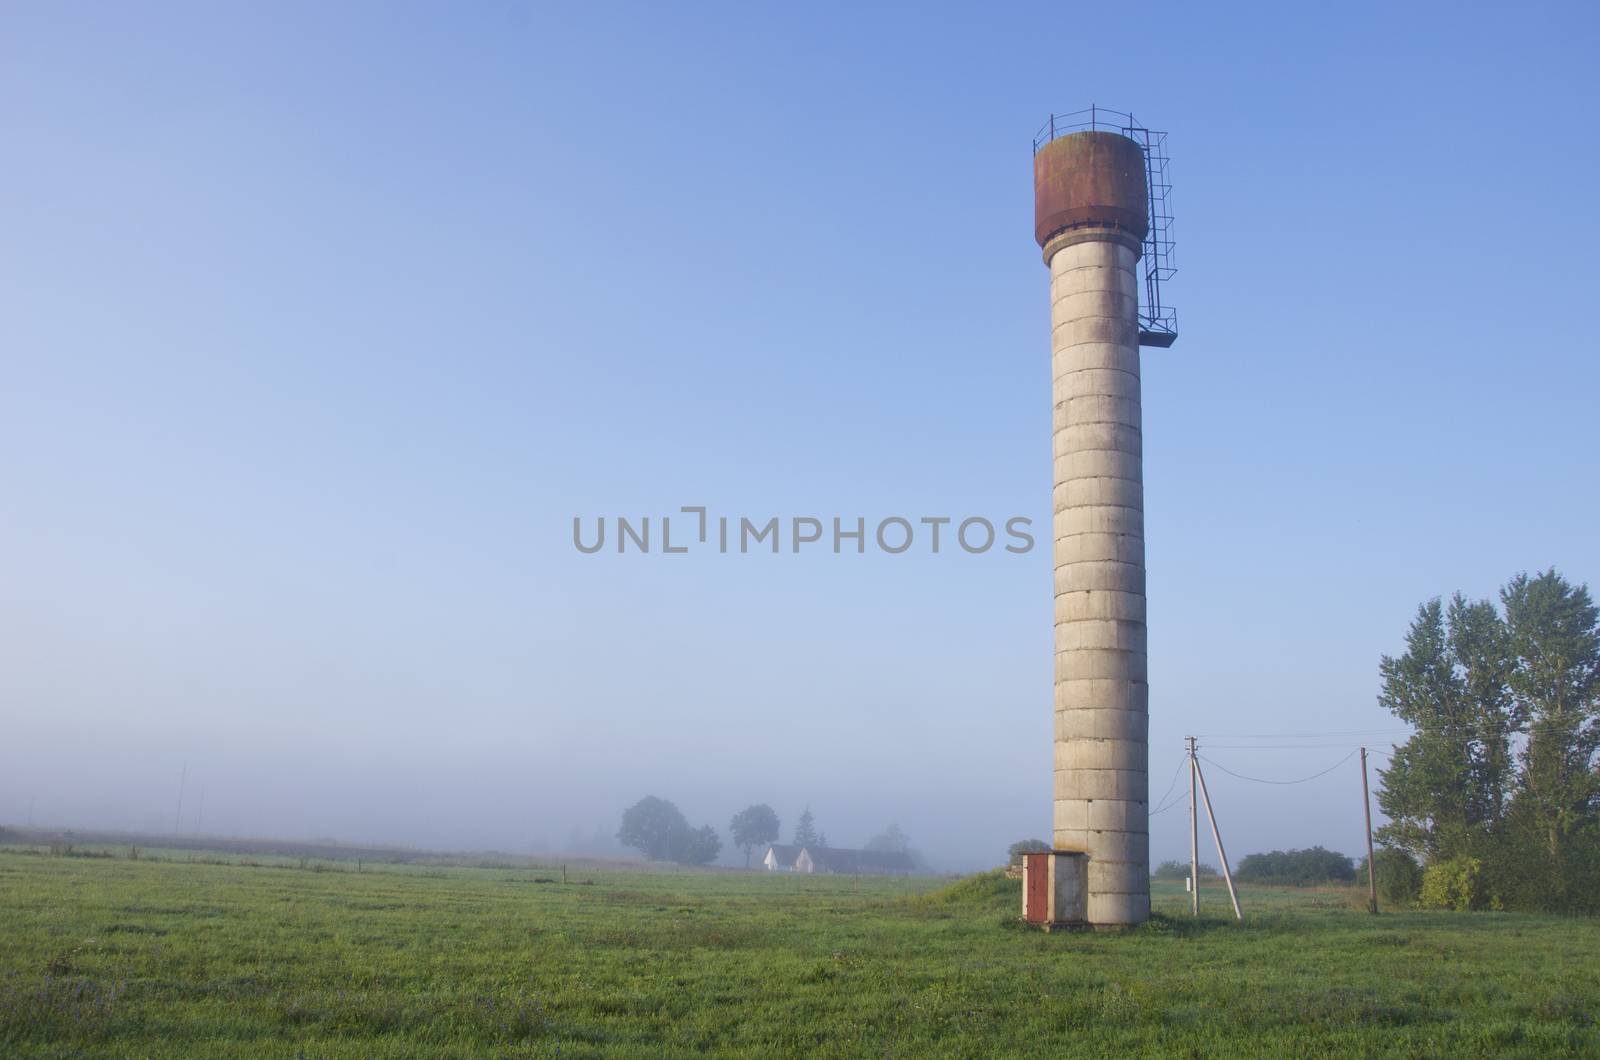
column 1194, row 840
column 1372, row 865
column 1222, row 855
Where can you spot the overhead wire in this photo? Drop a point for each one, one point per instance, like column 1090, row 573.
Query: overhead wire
column 1260, row 780
column 1332, row 734
column 1170, row 786
column 1276, row 746
column 1175, row 802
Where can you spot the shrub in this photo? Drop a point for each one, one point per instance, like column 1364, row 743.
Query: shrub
column 1454, row 884
column 1399, row 876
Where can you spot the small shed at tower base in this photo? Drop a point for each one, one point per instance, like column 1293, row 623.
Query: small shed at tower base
column 1055, row 888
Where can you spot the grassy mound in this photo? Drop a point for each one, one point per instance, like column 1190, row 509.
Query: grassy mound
column 990, row 890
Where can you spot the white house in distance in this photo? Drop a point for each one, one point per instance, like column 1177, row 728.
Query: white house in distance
column 780, row 857
column 837, row 861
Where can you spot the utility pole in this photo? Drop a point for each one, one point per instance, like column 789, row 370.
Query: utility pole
column 1372, row 865
column 1222, row 855
column 1194, row 840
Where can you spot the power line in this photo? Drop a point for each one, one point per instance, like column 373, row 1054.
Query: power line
column 1276, row 746
column 1165, row 806
column 1174, row 784
column 1302, row 735
column 1302, row 780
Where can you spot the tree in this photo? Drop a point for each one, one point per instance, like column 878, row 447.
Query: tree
column 659, row 831
column 699, row 846
column 1179, row 870
column 1399, row 875
column 805, row 833
column 1480, row 645
column 753, row 826
column 1025, row 846
column 654, row 827
column 1448, row 785
column 1297, row 867
column 1554, row 634
column 1497, row 791
column 890, row 840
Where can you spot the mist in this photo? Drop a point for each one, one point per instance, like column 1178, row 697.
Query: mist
column 307, row 376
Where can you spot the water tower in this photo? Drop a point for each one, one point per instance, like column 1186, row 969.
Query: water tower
column 1100, row 216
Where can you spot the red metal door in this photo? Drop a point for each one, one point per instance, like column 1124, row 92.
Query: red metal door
column 1036, row 878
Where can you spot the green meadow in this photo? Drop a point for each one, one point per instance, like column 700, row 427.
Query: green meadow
column 177, row 957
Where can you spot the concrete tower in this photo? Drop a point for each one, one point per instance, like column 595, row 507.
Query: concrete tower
column 1090, row 213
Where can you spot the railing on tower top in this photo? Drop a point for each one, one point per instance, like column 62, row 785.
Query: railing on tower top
column 1088, row 119
column 1158, row 323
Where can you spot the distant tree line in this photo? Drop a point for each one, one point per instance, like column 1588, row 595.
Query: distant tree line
column 656, row 828
column 1179, row 870
column 1494, row 801
column 1298, row 868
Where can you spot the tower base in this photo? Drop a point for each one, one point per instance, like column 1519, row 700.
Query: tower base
column 1055, row 889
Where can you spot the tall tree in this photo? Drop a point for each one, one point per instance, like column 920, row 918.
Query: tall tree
column 1501, row 770
column 805, row 833
column 753, row 826
column 657, row 829
column 1555, row 643
column 891, row 839
column 1480, row 647
column 654, row 827
column 1448, row 785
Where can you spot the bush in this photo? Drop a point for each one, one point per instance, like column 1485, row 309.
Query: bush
column 699, row 846
column 1454, row 884
column 1298, row 867
column 1399, row 876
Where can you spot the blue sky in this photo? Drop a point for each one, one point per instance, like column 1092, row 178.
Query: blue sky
column 320, row 323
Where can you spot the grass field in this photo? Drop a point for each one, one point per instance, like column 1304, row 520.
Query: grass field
column 178, row 958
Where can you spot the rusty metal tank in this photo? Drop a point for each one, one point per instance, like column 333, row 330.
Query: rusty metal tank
column 1090, row 179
